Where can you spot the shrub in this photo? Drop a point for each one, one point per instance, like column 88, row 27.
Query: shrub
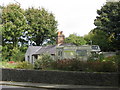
column 18, row 56
column 90, row 65
column 104, row 66
column 93, row 65
column 114, row 59
column 96, row 56
column 14, row 54
column 44, row 62
column 24, row 65
column 11, row 62
column 109, row 66
column 69, row 65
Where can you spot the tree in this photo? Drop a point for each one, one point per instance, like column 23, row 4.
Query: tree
column 14, row 25
column 0, row 14
column 98, row 37
column 20, row 26
column 77, row 40
column 1, row 25
column 43, row 26
column 14, row 28
column 1, row 34
column 108, row 20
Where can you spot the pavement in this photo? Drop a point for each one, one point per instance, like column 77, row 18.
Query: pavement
column 8, row 87
column 58, row 86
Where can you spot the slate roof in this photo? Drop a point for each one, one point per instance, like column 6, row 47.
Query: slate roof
column 35, row 50
column 48, row 49
column 32, row 49
column 68, row 44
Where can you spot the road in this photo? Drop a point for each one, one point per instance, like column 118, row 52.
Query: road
column 7, row 87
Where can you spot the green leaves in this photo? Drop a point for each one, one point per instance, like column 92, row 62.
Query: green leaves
column 13, row 24
column 108, row 21
column 99, row 37
column 73, row 38
column 43, row 25
column 19, row 27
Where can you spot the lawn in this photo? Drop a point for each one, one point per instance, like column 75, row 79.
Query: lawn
column 5, row 64
column 16, row 65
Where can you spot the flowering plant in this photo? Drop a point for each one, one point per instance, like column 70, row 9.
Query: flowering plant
column 11, row 62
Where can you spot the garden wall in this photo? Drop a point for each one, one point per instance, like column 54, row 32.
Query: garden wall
column 107, row 54
column 61, row 77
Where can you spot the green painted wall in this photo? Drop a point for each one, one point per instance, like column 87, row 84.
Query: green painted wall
column 69, row 52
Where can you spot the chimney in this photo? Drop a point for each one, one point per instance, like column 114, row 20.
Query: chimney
column 60, row 38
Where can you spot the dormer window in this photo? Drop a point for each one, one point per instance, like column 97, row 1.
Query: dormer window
column 94, row 47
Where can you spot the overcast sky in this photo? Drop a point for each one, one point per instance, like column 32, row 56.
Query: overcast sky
column 73, row 16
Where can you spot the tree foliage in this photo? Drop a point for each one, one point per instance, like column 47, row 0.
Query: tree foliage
column 43, row 25
column 14, row 28
column 0, row 14
column 98, row 37
column 14, row 25
column 1, row 34
column 75, row 39
column 108, row 21
column 19, row 27
column 1, row 25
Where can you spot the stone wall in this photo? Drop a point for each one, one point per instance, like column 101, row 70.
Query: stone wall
column 61, row 77
column 107, row 54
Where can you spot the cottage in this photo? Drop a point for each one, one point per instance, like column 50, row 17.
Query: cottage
column 61, row 50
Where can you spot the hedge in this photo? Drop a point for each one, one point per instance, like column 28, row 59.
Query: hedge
column 62, row 77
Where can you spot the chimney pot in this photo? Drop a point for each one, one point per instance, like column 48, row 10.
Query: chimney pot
column 60, row 38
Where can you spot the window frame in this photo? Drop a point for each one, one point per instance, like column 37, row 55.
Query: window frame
column 80, row 52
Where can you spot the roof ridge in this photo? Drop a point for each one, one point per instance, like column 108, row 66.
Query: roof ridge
column 38, row 49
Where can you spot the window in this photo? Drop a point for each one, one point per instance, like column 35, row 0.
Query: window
column 95, row 47
column 28, row 58
column 81, row 52
column 59, row 53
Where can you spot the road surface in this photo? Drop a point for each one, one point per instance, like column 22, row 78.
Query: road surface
column 7, row 87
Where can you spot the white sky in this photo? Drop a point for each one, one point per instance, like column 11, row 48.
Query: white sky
column 73, row 16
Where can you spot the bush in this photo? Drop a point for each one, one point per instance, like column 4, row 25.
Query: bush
column 44, row 62
column 14, row 54
column 89, row 66
column 69, row 65
column 18, row 56
column 24, row 65
column 114, row 59
column 104, row 66
column 96, row 56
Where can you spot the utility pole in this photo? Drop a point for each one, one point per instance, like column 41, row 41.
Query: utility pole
column 90, row 42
